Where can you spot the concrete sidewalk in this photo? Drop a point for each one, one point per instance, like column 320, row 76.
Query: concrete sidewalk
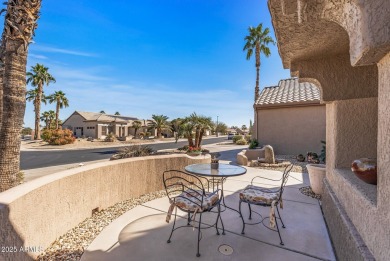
column 141, row 233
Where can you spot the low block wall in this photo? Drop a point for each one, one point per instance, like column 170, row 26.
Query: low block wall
column 34, row 214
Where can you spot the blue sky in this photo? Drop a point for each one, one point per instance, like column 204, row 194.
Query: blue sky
column 171, row 57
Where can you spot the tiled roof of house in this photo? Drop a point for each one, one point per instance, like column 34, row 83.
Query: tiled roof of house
column 289, row 91
column 93, row 116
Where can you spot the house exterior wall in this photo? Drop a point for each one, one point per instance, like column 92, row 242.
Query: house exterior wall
column 352, row 68
column 90, row 129
column 293, row 130
column 74, row 121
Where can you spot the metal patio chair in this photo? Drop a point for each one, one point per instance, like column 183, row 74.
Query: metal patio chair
column 187, row 192
column 256, row 195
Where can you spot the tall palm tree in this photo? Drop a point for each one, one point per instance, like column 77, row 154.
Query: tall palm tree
column 159, row 123
column 20, row 22
column 61, row 101
column 258, row 40
column 136, row 125
column 102, row 112
column 38, row 77
column 117, row 113
column 32, row 95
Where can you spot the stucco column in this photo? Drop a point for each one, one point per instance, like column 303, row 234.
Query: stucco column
column 351, row 131
column 384, row 136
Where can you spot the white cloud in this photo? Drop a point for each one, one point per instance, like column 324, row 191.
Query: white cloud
column 37, row 56
column 48, row 49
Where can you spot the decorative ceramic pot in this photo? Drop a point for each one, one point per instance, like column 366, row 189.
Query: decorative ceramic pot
column 365, row 169
column 316, row 175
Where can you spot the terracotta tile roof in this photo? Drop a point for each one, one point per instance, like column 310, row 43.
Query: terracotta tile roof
column 289, row 91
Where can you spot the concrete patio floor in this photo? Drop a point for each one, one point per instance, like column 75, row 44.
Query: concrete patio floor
column 142, row 233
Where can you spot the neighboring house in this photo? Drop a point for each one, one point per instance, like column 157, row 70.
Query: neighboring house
column 99, row 125
column 290, row 118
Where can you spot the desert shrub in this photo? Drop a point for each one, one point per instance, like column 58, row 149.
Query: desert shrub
column 141, row 134
column 184, row 148
column 46, row 135
column 134, row 151
column 20, row 177
column 147, row 134
column 241, row 142
column 236, row 138
column 58, row 137
column 26, row 131
column 253, row 144
column 110, row 137
column 247, row 137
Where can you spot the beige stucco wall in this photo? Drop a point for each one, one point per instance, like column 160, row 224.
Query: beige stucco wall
column 352, row 63
column 293, row 130
column 73, row 121
column 352, row 134
column 39, row 211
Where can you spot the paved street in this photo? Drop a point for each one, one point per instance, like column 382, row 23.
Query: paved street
column 47, row 158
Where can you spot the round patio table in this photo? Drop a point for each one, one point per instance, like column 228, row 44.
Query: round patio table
column 223, row 172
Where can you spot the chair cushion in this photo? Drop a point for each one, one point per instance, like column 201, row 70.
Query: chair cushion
column 254, row 194
column 190, row 200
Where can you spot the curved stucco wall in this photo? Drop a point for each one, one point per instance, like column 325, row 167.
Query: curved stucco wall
column 34, row 214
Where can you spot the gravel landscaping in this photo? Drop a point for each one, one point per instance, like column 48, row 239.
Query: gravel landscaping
column 284, row 161
column 71, row 245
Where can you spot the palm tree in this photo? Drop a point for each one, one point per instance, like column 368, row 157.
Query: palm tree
column 159, row 123
column 45, row 118
column 205, row 124
column 102, row 112
column 136, row 125
column 52, row 116
column 32, row 95
column 176, row 126
column 39, row 76
column 199, row 124
column 61, row 102
column 20, row 22
column 188, row 128
column 117, row 113
column 257, row 40
column 243, row 127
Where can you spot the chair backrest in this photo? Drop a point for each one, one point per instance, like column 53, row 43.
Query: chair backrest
column 176, row 182
column 285, row 176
